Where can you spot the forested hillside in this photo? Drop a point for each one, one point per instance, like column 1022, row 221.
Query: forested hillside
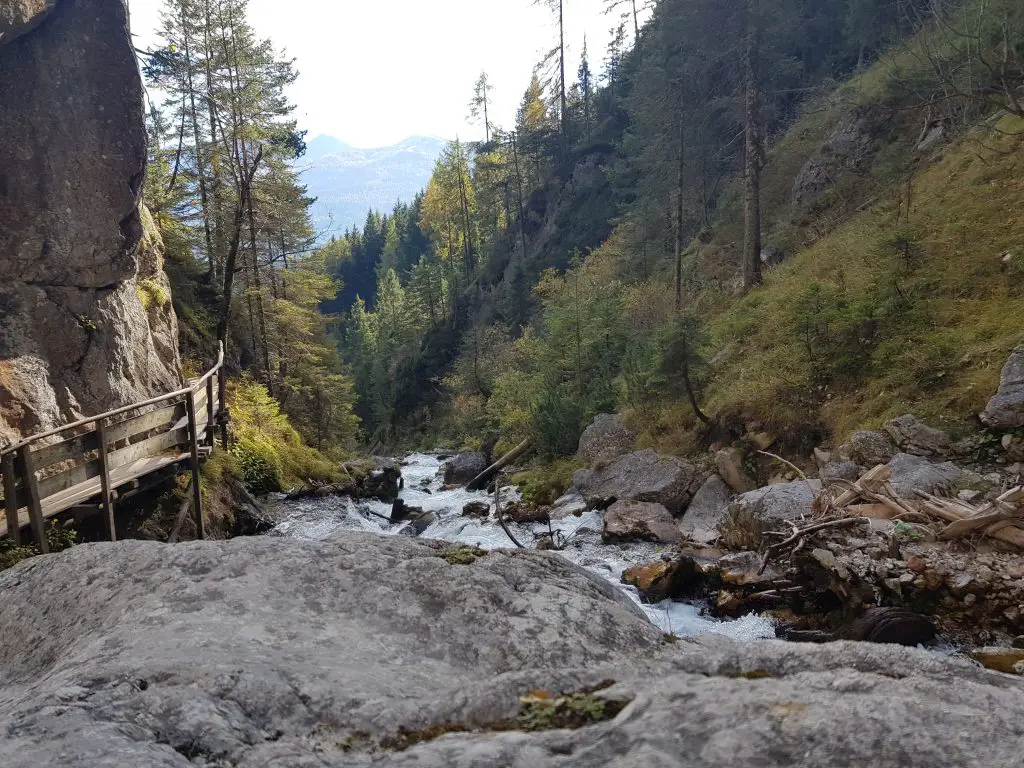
column 769, row 216
column 772, row 216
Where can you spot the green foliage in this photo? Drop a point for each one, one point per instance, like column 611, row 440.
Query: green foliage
column 543, row 485
column 270, row 453
column 151, row 294
column 541, row 711
column 557, row 420
column 58, row 538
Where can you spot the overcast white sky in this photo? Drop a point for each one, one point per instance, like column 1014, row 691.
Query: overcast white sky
column 373, row 72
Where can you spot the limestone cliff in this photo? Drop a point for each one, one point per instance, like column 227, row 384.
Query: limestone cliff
column 84, row 321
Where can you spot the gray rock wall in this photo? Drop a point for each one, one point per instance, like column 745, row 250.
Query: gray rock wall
column 75, row 338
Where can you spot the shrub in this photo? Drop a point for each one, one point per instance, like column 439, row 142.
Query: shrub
column 259, row 464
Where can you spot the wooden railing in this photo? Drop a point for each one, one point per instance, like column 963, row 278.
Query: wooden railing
column 110, row 456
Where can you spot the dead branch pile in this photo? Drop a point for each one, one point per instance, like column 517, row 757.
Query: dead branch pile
column 874, row 496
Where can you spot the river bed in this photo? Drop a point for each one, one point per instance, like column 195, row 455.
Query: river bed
column 423, row 487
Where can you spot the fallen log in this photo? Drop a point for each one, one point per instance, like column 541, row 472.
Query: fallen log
column 479, row 482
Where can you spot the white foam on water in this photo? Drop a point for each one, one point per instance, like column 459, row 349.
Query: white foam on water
column 424, row 488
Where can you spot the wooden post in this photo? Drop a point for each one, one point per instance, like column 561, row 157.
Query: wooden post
column 210, row 415
column 197, row 497
column 35, row 507
column 11, row 499
column 222, row 386
column 108, row 496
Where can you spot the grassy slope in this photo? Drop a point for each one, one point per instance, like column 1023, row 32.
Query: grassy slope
column 873, row 315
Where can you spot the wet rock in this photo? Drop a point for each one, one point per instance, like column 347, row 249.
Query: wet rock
column 888, row 625
column 480, row 509
column 822, row 457
column 870, row 448
column 383, row 482
column 462, row 468
column 642, row 476
column 274, row 652
column 1006, row 408
column 418, row 523
column 915, row 437
column 707, row 511
column 523, row 513
column 639, row 520
column 729, row 462
column 605, row 439
column 839, row 470
column 400, row 511
column 913, row 473
column 1003, row 660
column 663, row 579
column 570, row 503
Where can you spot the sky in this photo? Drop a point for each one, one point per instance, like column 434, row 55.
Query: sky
column 375, row 72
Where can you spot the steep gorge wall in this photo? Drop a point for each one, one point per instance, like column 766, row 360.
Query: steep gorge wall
column 80, row 331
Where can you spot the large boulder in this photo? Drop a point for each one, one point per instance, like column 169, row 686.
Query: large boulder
column 462, row 468
column 639, row 520
column 775, row 503
column 1006, row 409
column 605, row 439
column 371, row 651
column 642, row 476
column 915, row 473
column 915, row 437
column 76, row 337
column 869, row 448
column 707, row 511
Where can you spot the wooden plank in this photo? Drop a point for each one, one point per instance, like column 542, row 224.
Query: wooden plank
column 210, row 410
column 151, row 446
column 69, row 478
column 72, row 448
column 108, row 496
column 222, row 414
column 35, row 507
column 11, row 498
column 197, row 503
column 146, row 422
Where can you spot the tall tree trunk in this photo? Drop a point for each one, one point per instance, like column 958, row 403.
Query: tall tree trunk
column 752, row 159
column 561, row 79
column 236, row 239
column 200, row 155
column 519, row 191
column 679, row 214
column 215, row 180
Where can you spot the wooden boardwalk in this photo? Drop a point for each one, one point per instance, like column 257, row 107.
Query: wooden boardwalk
column 85, row 467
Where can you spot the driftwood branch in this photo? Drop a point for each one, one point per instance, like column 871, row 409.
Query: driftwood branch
column 186, row 505
column 479, row 482
column 799, row 535
column 501, row 516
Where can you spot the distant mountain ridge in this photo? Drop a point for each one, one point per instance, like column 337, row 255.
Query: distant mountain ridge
column 348, row 181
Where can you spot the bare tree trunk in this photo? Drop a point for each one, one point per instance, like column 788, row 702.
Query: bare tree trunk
column 561, row 78
column 236, row 238
column 519, row 190
column 200, row 162
column 752, row 160
column 679, row 215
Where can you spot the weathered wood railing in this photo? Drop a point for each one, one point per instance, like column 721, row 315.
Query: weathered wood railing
column 111, row 455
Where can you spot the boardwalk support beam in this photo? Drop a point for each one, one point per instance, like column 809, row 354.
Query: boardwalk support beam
column 11, row 499
column 197, row 498
column 107, row 491
column 35, row 506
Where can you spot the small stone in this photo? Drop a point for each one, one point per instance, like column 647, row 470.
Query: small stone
column 907, row 578
column 970, row 599
column 916, row 564
column 999, row 659
column 1006, row 441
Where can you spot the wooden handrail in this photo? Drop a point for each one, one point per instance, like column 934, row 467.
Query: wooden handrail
column 194, row 389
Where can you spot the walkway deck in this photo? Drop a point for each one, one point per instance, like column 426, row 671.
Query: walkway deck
column 87, row 466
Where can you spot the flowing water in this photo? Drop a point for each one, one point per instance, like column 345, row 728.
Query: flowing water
column 423, row 487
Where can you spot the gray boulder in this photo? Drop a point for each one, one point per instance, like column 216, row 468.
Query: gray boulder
column 462, row 468
column 371, row 651
column 1006, row 409
column 915, row 437
column 605, row 439
column 639, row 520
column 868, row 448
column 915, row 473
column 709, row 508
column 641, row 476
column 569, row 503
column 839, row 470
column 784, row 501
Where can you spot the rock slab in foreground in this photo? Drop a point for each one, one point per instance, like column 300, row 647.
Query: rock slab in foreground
column 272, row 652
column 1006, row 409
column 640, row 476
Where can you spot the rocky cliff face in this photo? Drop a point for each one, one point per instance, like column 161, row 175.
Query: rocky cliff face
column 77, row 334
